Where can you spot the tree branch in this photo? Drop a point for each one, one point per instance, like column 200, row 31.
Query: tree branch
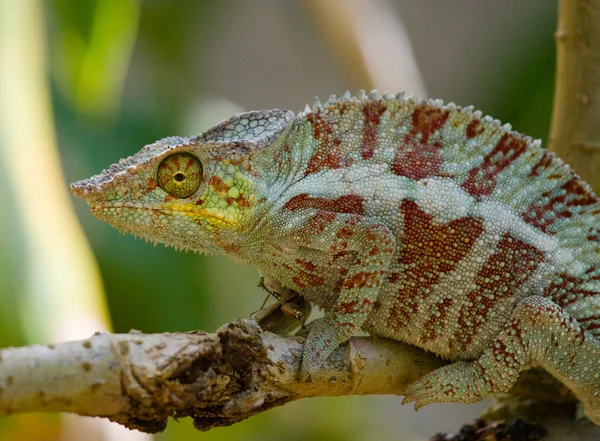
column 575, row 132
column 139, row 380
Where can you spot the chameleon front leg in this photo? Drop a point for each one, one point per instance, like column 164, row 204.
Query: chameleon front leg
column 372, row 245
column 539, row 333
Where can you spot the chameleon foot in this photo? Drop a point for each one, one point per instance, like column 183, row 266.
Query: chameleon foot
column 462, row 382
column 323, row 338
column 539, row 333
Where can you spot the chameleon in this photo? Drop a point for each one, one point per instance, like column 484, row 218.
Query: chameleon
column 406, row 218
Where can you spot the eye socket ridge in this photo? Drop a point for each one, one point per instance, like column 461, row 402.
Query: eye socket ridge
column 179, row 175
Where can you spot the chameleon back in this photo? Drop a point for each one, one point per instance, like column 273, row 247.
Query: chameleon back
column 483, row 215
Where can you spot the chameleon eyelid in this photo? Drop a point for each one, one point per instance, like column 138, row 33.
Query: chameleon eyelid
column 180, row 174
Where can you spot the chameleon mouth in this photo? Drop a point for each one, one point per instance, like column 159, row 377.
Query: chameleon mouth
column 107, row 210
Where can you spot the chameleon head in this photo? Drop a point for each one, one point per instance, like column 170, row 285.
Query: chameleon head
column 201, row 193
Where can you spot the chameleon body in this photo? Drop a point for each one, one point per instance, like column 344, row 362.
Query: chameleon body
column 408, row 219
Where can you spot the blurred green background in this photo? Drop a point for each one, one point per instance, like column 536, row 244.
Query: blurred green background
column 123, row 73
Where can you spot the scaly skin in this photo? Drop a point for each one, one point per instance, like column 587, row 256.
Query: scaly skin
column 411, row 220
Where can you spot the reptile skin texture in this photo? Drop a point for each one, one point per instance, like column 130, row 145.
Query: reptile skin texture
column 408, row 219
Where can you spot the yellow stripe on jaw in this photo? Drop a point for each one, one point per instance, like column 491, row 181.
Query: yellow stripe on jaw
column 213, row 216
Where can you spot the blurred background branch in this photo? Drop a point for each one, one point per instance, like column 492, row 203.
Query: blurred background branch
column 371, row 41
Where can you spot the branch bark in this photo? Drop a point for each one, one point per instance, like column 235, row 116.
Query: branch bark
column 575, row 132
column 139, row 380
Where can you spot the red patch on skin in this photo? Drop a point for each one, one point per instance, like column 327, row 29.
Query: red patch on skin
column 338, row 247
column 303, row 279
column 362, row 280
column 317, row 123
column 393, row 278
column 324, row 160
column 372, row 114
column 482, row 179
column 218, row 185
column 505, row 355
column 344, row 233
column 430, row 250
column 309, row 266
column 436, row 322
column 317, row 224
column 151, row 185
column 591, row 323
column 240, row 199
column 328, row 154
column 421, row 159
column 473, row 129
column 576, row 195
column 566, row 290
column 340, row 282
column 544, row 162
column 427, row 120
column 283, row 157
column 230, row 248
column 351, row 204
column 499, row 278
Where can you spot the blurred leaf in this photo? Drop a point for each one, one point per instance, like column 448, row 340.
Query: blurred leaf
column 30, row 427
column 57, row 294
column 92, row 46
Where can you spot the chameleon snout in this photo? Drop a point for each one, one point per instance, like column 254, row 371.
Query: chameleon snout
column 85, row 189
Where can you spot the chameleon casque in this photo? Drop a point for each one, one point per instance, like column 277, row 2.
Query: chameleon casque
column 408, row 219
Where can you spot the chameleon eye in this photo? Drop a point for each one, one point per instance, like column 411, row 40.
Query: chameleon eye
column 180, row 175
